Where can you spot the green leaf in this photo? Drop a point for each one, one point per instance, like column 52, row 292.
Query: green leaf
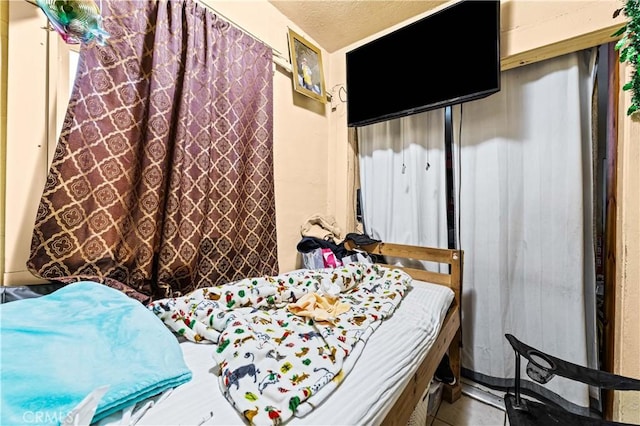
column 623, row 58
column 628, row 48
column 620, row 43
column 620, row 31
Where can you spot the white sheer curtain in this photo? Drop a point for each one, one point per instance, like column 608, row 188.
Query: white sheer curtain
column 403, row 175
column 524, row 200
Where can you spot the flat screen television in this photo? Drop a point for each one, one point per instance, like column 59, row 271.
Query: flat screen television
column 449, row 57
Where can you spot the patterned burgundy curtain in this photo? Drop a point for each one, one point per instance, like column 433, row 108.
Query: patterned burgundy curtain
column 162, row 181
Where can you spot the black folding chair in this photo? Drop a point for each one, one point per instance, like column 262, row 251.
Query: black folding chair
column 542, row 368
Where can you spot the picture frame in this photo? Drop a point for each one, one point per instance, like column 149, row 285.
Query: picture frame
column 306, row 62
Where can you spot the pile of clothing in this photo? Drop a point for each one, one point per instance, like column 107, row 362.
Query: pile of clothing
column 322, row 244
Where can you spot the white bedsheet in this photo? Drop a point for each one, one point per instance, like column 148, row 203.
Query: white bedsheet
column 390, row 356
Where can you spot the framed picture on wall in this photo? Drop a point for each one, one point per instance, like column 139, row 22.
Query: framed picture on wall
column 306, row 61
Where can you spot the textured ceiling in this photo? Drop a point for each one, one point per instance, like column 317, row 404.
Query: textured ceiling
column 336, row 24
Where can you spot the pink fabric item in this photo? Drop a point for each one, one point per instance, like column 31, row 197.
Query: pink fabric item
column 329, row 258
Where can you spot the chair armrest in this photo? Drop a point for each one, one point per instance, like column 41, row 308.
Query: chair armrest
column 573, row 371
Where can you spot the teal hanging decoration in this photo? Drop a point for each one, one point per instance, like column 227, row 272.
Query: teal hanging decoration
column 77, row 21
column 629, row 49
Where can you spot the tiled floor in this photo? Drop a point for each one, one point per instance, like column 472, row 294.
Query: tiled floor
column 468, row 411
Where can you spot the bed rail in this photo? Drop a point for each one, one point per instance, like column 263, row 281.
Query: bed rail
column 449, row 338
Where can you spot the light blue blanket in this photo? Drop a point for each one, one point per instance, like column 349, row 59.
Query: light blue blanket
column 57, row 349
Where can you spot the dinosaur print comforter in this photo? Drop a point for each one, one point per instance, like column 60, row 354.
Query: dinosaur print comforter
column 272, row 363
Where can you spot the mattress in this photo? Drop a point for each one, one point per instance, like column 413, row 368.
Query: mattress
column 381, row 369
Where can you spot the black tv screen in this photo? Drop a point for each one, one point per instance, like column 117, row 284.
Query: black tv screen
column 449, row 57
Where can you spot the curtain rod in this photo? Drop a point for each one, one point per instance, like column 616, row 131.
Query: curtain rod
column 279, row 58
column 235, row 24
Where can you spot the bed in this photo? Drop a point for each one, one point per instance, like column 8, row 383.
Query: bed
column 371, row 393
column 384, row 380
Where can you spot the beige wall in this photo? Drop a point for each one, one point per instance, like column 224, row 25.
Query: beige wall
column 4, row 31
column 627, row 321
column 26, row 145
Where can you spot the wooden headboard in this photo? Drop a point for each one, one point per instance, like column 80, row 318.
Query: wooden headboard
column 453, row 258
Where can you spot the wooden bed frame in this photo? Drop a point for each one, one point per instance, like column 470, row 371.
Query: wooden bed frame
column 449, row 338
